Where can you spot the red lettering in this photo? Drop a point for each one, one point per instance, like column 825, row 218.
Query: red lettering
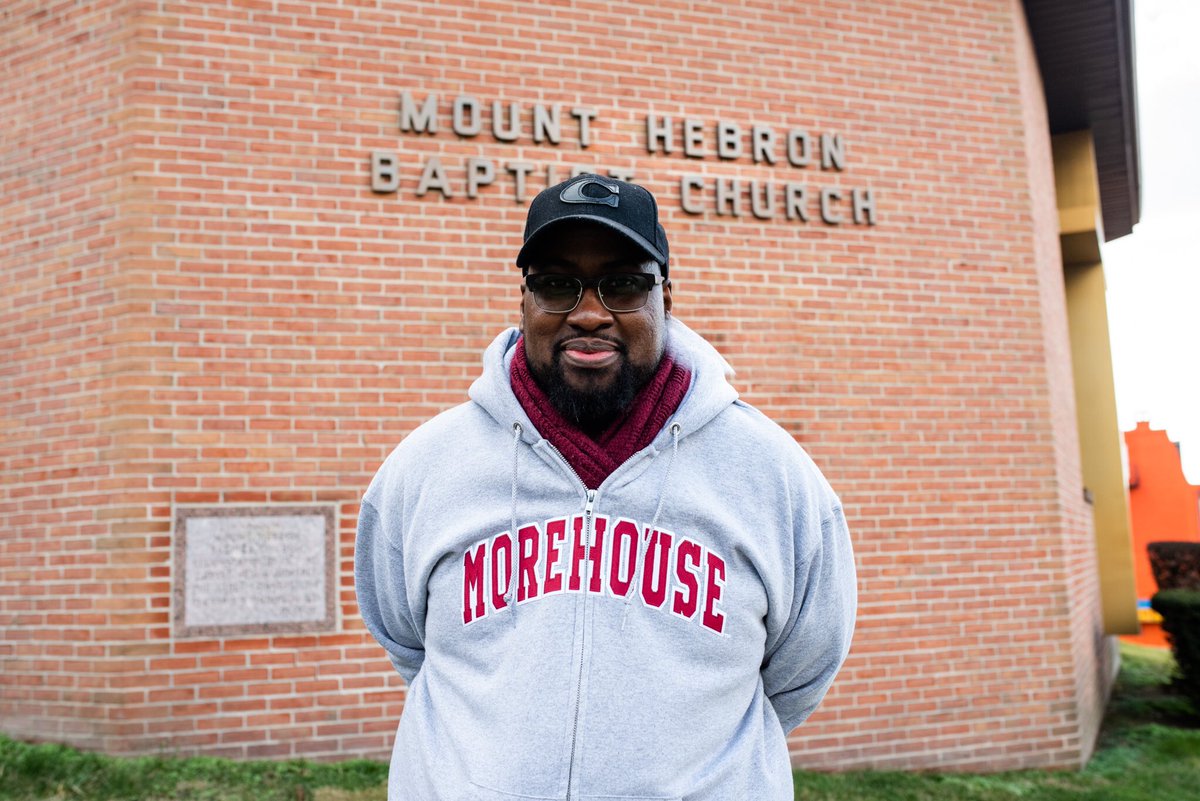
column 656, row 571
column 688, row 578
column 577, row 554
column 527, row 583
column 473, row 564
column 556, row 532
column 594, row 555
column 624, row 551
column 713, row 588
column 677, row 574
column 503, row 542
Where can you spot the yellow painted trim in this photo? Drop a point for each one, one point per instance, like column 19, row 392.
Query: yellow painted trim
column 1095, row 396
column 1076, row 184
column 1077, row 220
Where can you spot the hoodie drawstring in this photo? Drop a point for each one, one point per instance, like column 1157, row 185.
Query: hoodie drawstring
column 510, row 597
column 635, row 581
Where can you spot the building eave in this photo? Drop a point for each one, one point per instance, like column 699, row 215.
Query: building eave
column 1085, row 52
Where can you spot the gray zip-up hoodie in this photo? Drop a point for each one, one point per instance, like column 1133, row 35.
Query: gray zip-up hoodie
column 664, row 631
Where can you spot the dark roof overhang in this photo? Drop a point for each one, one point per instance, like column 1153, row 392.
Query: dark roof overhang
column 1085, row 52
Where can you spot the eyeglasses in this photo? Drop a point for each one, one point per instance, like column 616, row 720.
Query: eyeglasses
column 560, row 294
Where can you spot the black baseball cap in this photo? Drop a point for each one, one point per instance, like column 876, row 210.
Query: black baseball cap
column 626, row 208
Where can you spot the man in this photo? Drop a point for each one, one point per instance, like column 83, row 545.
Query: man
column 604, row 576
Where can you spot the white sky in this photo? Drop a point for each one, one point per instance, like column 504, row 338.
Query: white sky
column 1153, row 274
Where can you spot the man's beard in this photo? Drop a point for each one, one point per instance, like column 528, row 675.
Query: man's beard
column 592, row 410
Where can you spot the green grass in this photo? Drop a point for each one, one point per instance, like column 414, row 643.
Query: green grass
column 45, row 772
column 1150, row 762
column 1149, row 751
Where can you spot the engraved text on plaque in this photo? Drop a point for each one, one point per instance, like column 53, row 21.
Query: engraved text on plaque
column 253, row 570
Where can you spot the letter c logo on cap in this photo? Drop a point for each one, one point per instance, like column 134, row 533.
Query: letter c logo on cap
column 573, row 193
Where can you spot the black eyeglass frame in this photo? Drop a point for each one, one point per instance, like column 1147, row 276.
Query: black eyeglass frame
column 583, row 284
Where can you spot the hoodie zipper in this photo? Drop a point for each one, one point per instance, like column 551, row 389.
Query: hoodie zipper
column 587, row 555
column 588, row 528
column 589, row 532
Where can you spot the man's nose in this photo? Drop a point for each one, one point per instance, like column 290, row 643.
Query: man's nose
column 590, row 312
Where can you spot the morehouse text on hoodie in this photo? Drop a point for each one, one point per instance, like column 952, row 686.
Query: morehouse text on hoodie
column 655, row 638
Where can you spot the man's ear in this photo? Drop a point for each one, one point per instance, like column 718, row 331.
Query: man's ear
column 666, row 297
column 521, row 325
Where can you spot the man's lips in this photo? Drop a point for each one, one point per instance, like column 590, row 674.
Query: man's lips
column 587, row 352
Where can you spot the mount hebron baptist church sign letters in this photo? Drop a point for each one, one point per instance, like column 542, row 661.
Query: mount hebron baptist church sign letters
column 820, row 155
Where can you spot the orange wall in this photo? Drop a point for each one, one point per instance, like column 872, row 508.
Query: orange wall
column 1163, row 505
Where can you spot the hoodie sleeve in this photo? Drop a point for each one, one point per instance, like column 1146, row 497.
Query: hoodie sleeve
column 382, row 594
column 803, row 659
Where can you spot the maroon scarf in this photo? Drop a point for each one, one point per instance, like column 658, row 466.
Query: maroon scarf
column 595, row 459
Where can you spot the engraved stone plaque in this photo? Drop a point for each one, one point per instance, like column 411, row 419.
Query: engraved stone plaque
column 254, row 570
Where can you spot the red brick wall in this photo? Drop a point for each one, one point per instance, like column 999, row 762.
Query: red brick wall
column 239, row 319
column 1077, row 660
column 75, row 589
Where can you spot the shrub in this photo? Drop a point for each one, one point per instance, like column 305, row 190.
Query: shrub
column 1180, row 610
column 1176, row 565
